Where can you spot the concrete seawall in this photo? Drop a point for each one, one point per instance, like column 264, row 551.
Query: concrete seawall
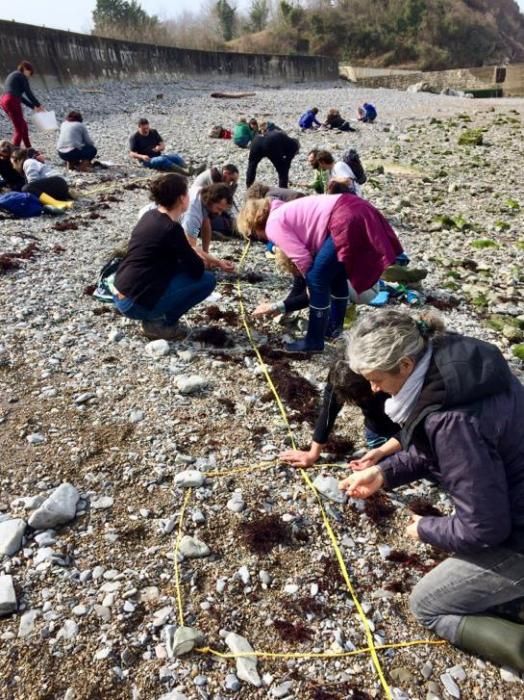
column 62, row 58
column 510, row 79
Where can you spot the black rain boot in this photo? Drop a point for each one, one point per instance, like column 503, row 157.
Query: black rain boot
column 336, row 320
column 494, row 638
column 314, row 338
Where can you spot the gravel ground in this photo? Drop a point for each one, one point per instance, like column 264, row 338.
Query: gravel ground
column 86, row 400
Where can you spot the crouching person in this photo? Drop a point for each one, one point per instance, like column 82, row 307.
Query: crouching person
column 461, row 411
column 162, row 276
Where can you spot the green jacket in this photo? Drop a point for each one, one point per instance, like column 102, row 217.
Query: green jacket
column 242, row 131
column 320, row 181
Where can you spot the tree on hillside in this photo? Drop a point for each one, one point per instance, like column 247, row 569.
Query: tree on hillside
column 122, row 18
column 226, row 14
column 258, row 15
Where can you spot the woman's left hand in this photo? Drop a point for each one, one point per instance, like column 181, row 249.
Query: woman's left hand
column 412, row 528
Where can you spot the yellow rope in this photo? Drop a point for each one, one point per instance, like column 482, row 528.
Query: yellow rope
column 327, row 525
column 371, row 648
column 316, row 655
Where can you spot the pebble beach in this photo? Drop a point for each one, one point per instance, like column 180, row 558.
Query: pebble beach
column 140, row 488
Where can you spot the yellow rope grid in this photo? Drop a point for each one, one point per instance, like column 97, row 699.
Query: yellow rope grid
column 371, row 648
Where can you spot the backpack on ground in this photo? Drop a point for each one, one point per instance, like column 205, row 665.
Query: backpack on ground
column 105, row 284
column 352, row 159
column 22, row 205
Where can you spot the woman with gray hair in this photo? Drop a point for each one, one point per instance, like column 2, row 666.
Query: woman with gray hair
column 461, row 412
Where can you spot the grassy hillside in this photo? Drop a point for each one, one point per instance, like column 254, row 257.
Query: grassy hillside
column 427, row 34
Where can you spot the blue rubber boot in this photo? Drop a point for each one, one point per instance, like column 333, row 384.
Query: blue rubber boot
column 314, row 338
column 336, row 320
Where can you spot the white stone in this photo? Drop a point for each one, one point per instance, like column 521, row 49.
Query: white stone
column 157, row 348
column 291, row 588
column 246, row 665
column 136, row 416
column 190, row 478
column 193, row 548
column 457, row 673
column 244, row 575
column 181, row 640
column 509, row 675
column 68, row 631
column 27, row 623
column 450, row 685
column 173, row 695
column 46, row 538
column 35, row 439
column 84, row 398
column 190, row 383
column 7, row 595
column 236, row 503
column 282, row 690
column 59, row 508
column 11, row 535
column 327, row 486
column 101, row 503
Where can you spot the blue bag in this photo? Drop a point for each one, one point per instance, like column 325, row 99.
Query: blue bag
column 21, row 205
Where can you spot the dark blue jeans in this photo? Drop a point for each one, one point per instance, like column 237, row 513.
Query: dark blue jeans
column 164, row 161
column 182, row 293
column 326, row 277
column 87, row 152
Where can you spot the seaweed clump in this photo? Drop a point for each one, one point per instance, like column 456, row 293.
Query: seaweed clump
column 378, row 508
column 214, row 336
column 337, row 691
column 215, row 314
column 9, row 261
column 290, row 632
column 339, row 446
column 262, row 535
column 423, row 507
column 296, row 391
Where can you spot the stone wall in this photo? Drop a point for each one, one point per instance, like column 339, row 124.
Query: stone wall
column 63, row 57
column 458, row 79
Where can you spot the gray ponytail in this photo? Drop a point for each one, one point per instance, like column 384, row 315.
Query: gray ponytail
column 380, row 340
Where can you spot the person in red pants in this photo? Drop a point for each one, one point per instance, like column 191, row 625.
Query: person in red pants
column 16, row 86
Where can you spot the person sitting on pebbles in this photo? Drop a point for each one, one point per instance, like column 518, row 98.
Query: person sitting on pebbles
column 204, row 203
column 222, row 225
column 162, row 276
column 309, row 120
column 334, row 120
column 337, row 170
column 75, row 146
column 244, row 132
column 343, row 387
column 330, row 238
column 9, row 177
column 42, row 179
column 366, row 113
column 147, row 147
column 460, row 408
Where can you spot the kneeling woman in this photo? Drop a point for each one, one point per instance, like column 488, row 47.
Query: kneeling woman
column 331, row 239
column 162, row 275
column 461, row 412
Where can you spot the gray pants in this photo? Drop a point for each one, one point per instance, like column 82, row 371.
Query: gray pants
column 467, row 585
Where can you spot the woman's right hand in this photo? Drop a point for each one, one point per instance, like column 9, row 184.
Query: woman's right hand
column 363, row 484
column 226, row 265
column 41, row 108
column 298, row 458
column 264, row 309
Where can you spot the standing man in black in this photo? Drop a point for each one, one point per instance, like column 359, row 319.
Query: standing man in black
column 279, row 148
